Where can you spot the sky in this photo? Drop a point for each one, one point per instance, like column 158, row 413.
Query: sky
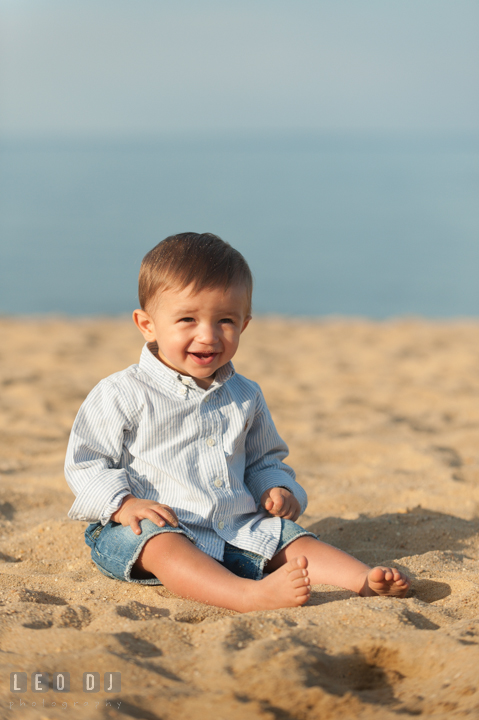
column 143, row 67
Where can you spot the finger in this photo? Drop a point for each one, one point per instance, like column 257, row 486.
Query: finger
column 275, row 512
column 288, row 507
column 295, row 510
column 268, row 505
column 168, row 510
column 293, row 514
column 279, row 503
column 154, row 516
column 173, row 514
column 167, row 514
column 135, row 525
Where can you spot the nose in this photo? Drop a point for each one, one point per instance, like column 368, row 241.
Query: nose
column 207, row 334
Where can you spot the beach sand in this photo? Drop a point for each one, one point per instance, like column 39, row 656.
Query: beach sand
column 382, row 421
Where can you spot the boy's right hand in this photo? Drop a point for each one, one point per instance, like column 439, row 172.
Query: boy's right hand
column 133, row 509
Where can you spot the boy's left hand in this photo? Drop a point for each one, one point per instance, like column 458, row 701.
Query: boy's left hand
column 281, row 502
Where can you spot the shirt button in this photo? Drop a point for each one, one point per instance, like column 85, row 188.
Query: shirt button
column 183, row 391
column 221, row 524
column 218, row 482
column 185, row 381
column 211, row 442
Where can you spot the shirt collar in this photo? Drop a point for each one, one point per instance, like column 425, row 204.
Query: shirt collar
column 171, row 378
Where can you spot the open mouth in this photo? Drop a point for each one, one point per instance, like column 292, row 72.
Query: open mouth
column 203, row 358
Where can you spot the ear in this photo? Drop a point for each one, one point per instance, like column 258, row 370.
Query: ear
column 246, row 322
column 145, row 324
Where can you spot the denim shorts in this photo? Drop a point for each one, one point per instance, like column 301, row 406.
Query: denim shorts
column 115, row 549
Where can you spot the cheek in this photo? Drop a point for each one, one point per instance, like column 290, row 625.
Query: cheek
column 232, row 337
column 174, row 342
column 179, row 343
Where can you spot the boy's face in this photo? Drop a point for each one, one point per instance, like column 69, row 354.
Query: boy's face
column 196, row 333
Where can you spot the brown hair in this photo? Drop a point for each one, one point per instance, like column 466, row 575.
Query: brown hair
column 202, row 260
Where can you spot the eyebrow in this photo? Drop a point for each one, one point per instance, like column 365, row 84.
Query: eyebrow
column 188, row 312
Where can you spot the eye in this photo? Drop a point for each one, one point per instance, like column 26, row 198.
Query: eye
column 227, row 320
column 187, row 319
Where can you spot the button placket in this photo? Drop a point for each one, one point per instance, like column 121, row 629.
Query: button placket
column 212, row 428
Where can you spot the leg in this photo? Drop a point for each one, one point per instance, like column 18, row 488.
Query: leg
column 188, row 572
column 330, row 566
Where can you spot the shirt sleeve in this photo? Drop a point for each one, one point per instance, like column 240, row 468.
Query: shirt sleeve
column 265, row 451
column 92, row 465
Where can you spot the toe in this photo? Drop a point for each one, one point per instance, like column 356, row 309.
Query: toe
column 377, row 574
column 297, row 575
column 302, row 599
column 302, row 562
column 298, row 563
column 301, row 582
column 303, row 592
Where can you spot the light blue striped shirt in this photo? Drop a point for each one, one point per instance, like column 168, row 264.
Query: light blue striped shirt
column 208, row 454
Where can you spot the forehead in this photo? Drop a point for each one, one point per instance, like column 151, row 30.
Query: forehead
column 234, row 299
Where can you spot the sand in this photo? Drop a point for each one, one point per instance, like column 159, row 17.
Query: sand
column 382, row 421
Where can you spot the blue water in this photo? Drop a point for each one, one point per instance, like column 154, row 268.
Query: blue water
column 330, row 224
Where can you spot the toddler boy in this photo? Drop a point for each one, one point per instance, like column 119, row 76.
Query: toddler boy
column 176, row 461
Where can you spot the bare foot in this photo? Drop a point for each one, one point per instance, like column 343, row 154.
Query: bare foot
column 385, row 581
column 288, row 586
